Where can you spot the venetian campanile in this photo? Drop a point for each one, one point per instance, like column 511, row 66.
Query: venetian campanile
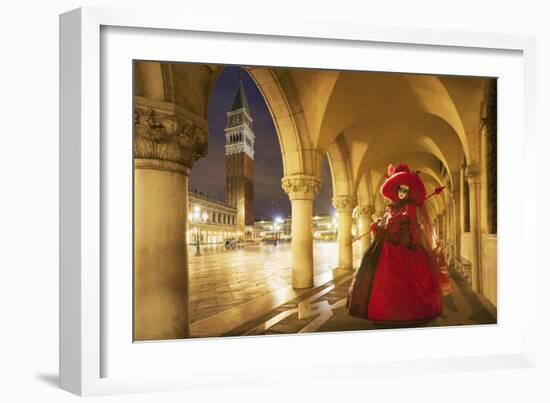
column 239, row 159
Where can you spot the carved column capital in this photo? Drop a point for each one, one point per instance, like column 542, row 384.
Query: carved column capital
column 166, row 133
column 364, row 212
column 344, row 204
column 301, row 187
column 471, row 173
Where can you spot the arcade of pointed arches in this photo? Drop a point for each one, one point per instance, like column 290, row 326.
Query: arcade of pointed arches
column 442, row 126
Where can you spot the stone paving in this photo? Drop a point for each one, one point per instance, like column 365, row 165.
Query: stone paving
column 222, row 280
column 248, row 292
column 323, row 310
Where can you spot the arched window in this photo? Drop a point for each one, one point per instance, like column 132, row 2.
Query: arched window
column 490, row 122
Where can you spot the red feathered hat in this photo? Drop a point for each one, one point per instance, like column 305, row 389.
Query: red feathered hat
column 402, row 175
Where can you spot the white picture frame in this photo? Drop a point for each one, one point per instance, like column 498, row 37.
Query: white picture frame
column 86, row 348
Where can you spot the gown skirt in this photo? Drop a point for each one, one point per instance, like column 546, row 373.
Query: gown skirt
column 395, row 284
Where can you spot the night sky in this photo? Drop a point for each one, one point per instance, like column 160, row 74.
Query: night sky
column 208, row 174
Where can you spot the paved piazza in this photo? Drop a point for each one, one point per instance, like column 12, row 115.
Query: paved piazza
column 221, row 279
column 248, row 292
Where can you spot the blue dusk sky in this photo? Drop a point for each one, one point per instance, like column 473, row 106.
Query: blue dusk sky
column 208, row 174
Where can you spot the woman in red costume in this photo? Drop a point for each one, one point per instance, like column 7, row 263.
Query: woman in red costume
column 399, row 280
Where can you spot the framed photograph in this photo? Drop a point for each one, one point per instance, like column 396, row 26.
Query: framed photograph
column 237, row 199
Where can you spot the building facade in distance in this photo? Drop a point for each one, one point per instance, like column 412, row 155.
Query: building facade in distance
column 324, row 228
column 210, row 220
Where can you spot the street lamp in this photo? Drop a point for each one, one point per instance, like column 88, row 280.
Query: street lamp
column 197, row 218
column 334, row 223
column 277, row 226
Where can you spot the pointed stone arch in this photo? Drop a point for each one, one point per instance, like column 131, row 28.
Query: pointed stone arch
column 299, row 157
column 437, row 101
column 365, row 191
column 340, row 168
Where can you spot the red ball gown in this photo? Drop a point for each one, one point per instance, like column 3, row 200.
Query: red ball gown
column 399, row 280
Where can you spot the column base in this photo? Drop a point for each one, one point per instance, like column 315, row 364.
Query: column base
column 297, row 287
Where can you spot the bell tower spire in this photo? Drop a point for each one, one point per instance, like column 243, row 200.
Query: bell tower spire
column 239, row 158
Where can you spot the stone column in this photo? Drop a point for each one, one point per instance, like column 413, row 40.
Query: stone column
column 472, row 176
column 302, row 189
column 449, row 223
column 448, row 230
column 456, row 223
column 167, row 142
column 364, row 214
column 445, row 226
column 344, row 205
column 450, row 227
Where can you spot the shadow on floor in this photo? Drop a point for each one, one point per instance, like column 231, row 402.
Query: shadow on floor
column 49, row 379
